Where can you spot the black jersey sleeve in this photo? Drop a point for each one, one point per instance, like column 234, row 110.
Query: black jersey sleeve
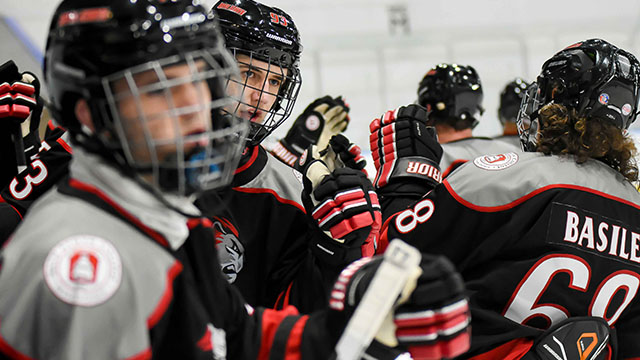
column 51, row 164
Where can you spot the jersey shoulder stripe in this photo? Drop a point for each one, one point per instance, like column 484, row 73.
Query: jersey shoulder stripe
column 485, row 184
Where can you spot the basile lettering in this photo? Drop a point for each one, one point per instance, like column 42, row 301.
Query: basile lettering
column 602, row 237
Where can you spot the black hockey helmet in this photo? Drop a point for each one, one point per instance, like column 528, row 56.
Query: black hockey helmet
column 267, row 34
column 95, row 44
column 593, row 77
column 510, row 100
column 452, row 94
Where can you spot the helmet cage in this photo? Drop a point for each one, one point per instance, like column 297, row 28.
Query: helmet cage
column 188, row 168
column 527, row 120
column 276, row 105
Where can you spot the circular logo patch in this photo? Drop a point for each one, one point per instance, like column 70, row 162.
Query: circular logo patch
column 496, row 162
column 604, row 98
column 83, row 270
column 312, row 123
column 626, row 109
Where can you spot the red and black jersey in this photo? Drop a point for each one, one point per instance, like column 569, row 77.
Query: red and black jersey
column 272, row 263
column 106, row 282
column 50, row 165
column 537, row 239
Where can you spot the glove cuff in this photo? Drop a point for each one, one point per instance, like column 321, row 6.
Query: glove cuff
column 324, row 248
column 419, row 168
column 332, row 253
column 285, row 153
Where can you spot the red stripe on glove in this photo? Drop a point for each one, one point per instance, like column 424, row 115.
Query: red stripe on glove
column 336, row 202
column 442, row 349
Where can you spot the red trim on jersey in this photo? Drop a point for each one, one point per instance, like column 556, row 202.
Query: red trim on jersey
column 269, row 191
column 166, row 298
column 454, row 165
column 512, row 350
column 193, row 222
column 92, row 189
column 248, row 164
column 532, row 194
column 143, row 355
column 8, row 350
column 205, row 343
column 292, row 351
column 50, row 125
column 3, row 201
column 384, row 236
column 271, row 320
column 64, row 145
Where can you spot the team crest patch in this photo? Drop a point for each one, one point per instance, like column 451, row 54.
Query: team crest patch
column 496, row 162
column 83, row 270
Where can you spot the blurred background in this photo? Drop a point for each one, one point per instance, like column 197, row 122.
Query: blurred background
column 374, row 52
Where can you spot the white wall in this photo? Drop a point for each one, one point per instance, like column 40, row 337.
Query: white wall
column 349, row 51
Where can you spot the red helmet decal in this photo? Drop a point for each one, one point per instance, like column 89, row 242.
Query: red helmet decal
column 92, row 15
column 232, row 8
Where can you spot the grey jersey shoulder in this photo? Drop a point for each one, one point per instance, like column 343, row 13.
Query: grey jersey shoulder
column 510, row 139
column 494, row 181
column 471, row 148
column 78, row 283
column 280, row 178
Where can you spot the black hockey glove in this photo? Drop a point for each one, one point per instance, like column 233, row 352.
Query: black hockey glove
column 340, row 153
column 430, row 317
column 344, row 205
column 405, row 149
column 322, row 119
column 349, row 153
column 20, row 110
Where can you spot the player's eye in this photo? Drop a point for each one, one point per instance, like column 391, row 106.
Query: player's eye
column 275, row 82
column 248, row 74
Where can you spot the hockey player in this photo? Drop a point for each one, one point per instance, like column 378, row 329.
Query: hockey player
column 115, row 262
column 452, row 94
column 47, row 161
column 546, row 237
column 280, row 255
column 510, row 99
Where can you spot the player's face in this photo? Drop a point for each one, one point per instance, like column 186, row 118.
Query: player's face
column 257, row 89
column 159, row 118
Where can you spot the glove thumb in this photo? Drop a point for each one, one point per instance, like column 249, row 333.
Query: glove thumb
column 316, row 171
